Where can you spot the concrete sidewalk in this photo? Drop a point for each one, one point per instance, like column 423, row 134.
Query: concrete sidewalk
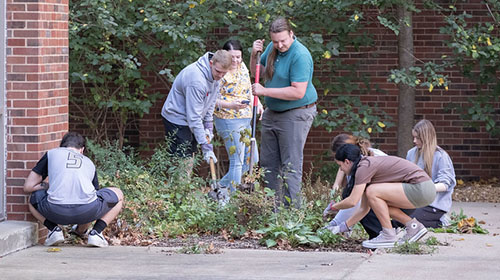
column 466, row 257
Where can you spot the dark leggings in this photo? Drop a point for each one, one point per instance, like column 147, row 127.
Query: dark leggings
column 428, row 216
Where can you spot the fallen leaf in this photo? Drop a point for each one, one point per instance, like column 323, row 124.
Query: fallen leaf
column 53, row 250
column 489, row 245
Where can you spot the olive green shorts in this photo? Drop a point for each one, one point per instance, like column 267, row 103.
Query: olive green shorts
column 421, row 194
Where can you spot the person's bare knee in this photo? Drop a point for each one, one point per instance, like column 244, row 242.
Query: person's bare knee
column 118, row 193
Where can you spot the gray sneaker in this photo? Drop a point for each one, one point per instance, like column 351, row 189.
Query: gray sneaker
column 414, row 231
column 385, row 239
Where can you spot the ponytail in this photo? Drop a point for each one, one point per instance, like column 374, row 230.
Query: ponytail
column 352, row 153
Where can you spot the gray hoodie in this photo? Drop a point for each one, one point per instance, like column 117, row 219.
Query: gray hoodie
column 191, row 100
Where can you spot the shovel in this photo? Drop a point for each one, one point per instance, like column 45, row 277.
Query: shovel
column 253, row 142
column 249, row 187
column 217, row 192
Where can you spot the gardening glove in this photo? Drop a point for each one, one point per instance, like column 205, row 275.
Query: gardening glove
column 344, row 228
column 329, row 211
column 335, row 229
column 209, row 130
column 208, row 154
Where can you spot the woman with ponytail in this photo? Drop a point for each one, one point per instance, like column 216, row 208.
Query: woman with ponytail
column 438, row 165
column 370, row 222
column 386, row 185
column 290, row 98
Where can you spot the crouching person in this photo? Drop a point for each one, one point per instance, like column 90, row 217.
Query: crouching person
column 386, row 185
column 72, row 194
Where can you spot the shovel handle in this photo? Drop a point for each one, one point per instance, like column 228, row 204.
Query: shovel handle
column 257, row 79
column 212, row 169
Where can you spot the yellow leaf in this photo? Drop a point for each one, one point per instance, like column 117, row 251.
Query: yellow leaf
column 441, row 81
column 324, row 111
column 369, row 130
column 488, row 41
column 229, row 12
column 365, row 121
column 146, row 19
column 327, row 54
column 446, row 87
column 489, row 245
column 326, row 91
column 381, row 124
column 417, row 82
column 356, row 17
column 141, row 11
column 232, row 150
column 290, row 3
column 431, row 87
column 473, row 47
column 54, row 250
column 202, row 1
column 479, row 40
column 192, row 6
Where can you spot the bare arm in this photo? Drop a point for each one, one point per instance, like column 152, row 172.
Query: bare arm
column 258, row 46
column 33, row 183
column 338, row 180
column 352, row 199
column 294, row 92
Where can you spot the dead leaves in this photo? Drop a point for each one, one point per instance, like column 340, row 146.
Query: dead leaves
column 479, row 191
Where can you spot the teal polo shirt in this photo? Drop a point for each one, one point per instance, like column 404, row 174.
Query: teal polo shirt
column 294, row 65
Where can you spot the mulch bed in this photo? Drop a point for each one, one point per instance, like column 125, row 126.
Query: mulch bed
column 482, row 191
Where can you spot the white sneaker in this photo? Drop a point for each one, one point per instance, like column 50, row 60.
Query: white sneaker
column 96, row 239
column 55, row 236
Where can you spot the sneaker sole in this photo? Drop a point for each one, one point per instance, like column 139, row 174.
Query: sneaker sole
column 95, row 245
column 419, row 235
column 378, row 245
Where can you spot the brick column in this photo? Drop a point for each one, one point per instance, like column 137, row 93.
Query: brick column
column 37, row 90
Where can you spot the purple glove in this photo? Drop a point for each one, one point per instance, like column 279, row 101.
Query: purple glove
column 330, row 211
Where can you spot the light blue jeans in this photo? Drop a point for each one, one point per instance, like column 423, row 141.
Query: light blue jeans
column 229, row 130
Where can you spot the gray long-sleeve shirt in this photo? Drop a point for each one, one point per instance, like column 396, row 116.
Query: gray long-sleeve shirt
column 442, row 172
column 191, row 100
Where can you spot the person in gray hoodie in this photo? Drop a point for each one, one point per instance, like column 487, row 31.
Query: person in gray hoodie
column 188, row 110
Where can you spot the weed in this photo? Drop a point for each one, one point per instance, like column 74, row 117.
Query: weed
column 200, row 248
column 413, row 248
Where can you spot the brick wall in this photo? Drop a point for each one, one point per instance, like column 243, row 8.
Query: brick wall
column 37, row 90
column 474, row 152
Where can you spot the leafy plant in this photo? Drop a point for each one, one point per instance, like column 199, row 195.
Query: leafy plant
column 460, row 223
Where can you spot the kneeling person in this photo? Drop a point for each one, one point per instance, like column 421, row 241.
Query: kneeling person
column 72, row 195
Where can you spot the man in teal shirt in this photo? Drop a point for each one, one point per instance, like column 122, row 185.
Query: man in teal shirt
column 290, row 98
